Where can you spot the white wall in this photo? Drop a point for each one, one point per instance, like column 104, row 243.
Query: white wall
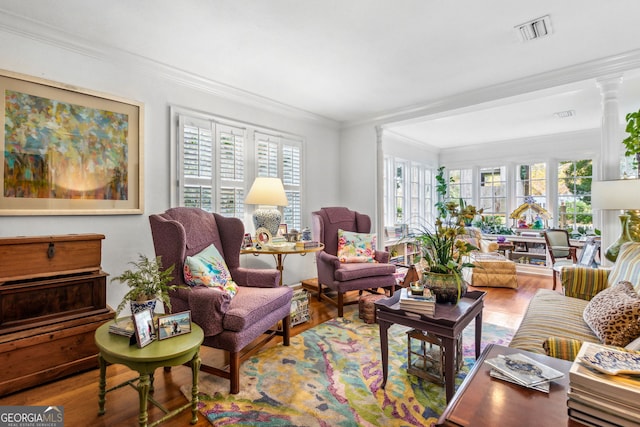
column 120, row 75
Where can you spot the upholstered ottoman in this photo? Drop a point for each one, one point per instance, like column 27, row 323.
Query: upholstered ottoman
column 493, row 270
column 366, row 307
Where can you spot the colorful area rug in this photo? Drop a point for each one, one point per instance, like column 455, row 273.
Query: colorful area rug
column 331, row 376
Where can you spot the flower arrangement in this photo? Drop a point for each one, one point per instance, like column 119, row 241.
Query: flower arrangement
column 444, row 251
column 442, row 246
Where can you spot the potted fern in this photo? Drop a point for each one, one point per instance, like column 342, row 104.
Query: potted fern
column 148, row 283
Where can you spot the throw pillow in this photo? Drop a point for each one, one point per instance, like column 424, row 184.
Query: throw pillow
column 208, row 268
column 614, row 314
column 356, row 247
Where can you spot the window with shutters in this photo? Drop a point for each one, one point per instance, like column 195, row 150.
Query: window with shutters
column 278, row 156
column 214, row 165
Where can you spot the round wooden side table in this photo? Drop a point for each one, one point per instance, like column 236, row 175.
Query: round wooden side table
column 170, row 352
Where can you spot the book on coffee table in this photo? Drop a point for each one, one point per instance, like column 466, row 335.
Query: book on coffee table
column 524, row 371
column 423, row 304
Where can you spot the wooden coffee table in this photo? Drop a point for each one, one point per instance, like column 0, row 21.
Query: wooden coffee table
column 447, row 324
column 485, row 401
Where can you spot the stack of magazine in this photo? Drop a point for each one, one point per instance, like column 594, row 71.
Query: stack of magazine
column 423, row 304
column 522, row 370
column 122, row 327
column 604, row 386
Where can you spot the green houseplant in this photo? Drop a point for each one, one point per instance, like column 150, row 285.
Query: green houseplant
column 632, row 148
column 632, row 142
column 445, row 252
column 148, row 283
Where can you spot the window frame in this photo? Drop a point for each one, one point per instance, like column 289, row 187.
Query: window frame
column 251, row 132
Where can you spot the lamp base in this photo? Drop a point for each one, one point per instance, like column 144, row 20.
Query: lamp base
column 612, row 251
column 267, row 217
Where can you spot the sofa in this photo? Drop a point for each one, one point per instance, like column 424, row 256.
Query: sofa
column 557, row 324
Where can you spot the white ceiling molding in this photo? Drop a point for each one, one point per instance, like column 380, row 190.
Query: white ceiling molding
column 26, row 28
column 472, row 99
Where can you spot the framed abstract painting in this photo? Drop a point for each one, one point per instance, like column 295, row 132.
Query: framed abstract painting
column 68, row 151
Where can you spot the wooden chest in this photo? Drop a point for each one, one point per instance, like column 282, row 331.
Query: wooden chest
column 52, row 299
column 31, row 257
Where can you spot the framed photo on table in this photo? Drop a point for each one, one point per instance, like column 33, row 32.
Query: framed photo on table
column 175, row 324
column 145, row 331
column 263, row 236
column 589, row 252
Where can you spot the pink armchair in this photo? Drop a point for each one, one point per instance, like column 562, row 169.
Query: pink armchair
column 344, row 277
column 229, row 323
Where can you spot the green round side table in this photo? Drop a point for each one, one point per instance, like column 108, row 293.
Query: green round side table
column 170, row 352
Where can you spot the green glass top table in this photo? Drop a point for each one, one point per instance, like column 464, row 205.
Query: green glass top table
column 169, row 352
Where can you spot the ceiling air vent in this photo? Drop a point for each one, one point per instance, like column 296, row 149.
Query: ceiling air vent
column 565, row 114
column 535, row 29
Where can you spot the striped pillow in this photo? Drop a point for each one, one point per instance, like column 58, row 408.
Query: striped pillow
column 627, row 266
column 562, row 348
column 584, row 282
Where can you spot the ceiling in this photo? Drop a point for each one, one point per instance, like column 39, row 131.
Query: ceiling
column 358, row 60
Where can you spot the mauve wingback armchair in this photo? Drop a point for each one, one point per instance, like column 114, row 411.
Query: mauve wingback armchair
column 229, row 323
column 344, row 277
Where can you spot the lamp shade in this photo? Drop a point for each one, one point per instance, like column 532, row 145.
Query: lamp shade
column 268, row 192
column 621, row 194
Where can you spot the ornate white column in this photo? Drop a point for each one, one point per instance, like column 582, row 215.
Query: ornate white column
column 610, row 152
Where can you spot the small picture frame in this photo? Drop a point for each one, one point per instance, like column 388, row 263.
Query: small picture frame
column 282, row 230
column 520, row 247
column 175, row 324
column 247, row 242
column 263, row 236
column 144, row 328
column 589, row 251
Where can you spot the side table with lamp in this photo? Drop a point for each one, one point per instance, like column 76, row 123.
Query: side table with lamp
column 268, row 193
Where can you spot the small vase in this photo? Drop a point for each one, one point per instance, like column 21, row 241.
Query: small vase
column 138, row 306
column 612, row 251
column 445, row 287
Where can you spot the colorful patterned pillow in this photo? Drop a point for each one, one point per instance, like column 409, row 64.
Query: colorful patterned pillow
column 209, row 269
column 356, row 247
column 614, row 314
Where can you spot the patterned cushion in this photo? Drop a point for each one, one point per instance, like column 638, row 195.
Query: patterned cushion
column 614, row 314
column 627, row 266
column 209, row 268
column 356, row 247
column 584, row 282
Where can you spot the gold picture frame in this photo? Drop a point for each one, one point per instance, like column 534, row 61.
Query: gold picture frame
column 68, row 151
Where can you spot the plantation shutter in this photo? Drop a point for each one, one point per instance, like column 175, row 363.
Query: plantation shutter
column 197, row 160
column 291, row 179
column 231, row 141
column 279, row 157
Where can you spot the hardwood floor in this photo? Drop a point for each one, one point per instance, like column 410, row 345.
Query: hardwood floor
column 78, row 394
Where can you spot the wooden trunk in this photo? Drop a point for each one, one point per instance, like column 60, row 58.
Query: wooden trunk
column 52, row 299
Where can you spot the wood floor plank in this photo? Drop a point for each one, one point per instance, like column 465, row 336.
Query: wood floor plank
column 79, row 393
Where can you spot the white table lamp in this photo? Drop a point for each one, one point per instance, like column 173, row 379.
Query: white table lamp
column 621, row 195
column 267, row 193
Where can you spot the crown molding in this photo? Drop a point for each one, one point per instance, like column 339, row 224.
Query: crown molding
column 46, row 34
column 612, row 65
